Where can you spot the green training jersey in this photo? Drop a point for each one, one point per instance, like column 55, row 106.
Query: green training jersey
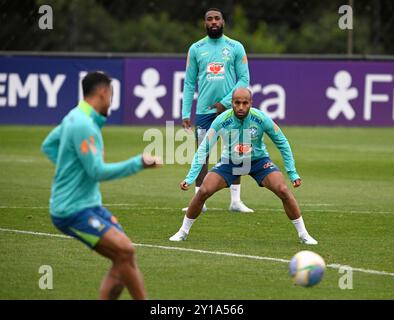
column 76, row 147
column 218, row 66
column 243, row 140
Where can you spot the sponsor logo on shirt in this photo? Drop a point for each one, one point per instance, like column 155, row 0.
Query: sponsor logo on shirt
column 215, row 71
column 243, row 148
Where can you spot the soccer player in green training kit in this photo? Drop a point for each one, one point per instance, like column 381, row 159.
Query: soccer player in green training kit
column 76, row 148
column 219, row 64
column 244, row 153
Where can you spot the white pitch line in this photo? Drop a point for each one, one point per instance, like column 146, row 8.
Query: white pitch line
column 262, row 209
column 53, row 235
column 135, row 206
column 12, row 160
column 218, row 253
column 19, row 207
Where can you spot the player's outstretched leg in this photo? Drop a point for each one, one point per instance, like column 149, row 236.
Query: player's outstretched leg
column 212, row 183
column 124, row 271
column 276, row 183
column 236, row 204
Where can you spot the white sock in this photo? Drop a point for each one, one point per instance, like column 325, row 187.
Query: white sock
column 235, row 190
column 300, row 226
column 187, row 224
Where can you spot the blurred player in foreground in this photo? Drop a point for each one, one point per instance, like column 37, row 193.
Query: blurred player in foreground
column 76, row 148
column 244, row 153
column 217, row 64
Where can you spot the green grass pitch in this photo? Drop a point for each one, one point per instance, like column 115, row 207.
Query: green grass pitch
column 347, row 200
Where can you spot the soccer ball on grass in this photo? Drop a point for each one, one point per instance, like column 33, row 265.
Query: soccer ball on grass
column 307, row 268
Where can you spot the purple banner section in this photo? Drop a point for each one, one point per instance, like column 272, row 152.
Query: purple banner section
column 153, row 91
column 35, row 90
column 293, row 92
column 148, row 91
column 356, row 93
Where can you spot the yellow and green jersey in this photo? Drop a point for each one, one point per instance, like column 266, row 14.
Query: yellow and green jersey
column 218, row 66
column 76, row 147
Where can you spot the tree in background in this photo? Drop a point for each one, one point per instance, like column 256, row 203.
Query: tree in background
column 270, row 26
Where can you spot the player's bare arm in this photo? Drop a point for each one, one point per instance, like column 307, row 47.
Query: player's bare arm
column 219, row 108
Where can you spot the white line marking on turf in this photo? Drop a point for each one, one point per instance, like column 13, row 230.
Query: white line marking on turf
column 19, row 159
column 218, row 253
column 53, row 235
column 135, row 206
column 125, row 205
column 16, row 207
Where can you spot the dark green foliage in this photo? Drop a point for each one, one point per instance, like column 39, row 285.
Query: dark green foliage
column 280, row 26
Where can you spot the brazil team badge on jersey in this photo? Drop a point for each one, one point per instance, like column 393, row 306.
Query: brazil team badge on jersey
column 253, row 131
column 226, row 53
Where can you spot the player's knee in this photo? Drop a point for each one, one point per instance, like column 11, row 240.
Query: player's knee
column 283, row 192
column 125, row 251
column 204, row 193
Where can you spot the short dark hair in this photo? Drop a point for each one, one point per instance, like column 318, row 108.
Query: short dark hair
column 213, row 9
column 92, row 80
column 250, row 92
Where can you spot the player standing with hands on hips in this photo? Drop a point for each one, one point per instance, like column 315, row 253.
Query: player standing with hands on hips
column 219, row 65
column 76, row 148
